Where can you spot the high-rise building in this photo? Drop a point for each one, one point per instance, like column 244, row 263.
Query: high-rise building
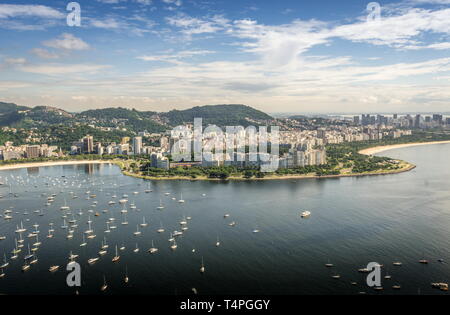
column 438, row 118
column 88, row 144
column 137, row 145
column 356, row 120
column 417, row 121
column 33, row 151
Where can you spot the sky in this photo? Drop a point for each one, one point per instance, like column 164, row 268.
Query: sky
column 295, row 56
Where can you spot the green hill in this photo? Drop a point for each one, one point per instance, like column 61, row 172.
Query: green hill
column 10, row 113
column 221, row 115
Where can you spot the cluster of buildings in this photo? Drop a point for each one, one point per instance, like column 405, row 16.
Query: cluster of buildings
column 127, row 146
column 300, row 146
column 11, row 152
column 404, row 121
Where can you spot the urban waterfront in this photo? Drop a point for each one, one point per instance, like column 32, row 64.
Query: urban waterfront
column 354, row 221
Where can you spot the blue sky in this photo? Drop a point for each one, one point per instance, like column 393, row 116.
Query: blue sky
column 278, row 56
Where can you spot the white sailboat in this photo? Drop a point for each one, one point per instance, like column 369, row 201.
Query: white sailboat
column 84, row 242
column 153, row 249
column 144, row 224
column 137, row 233
column 161, row 206
column 174, row 245
column 161, row 229
column 218, row 242
column 202, row 268
column 148, row 190
column 181, row 199
column 117, row 257
column 5, row 262
column 65, row 207
column 105, row 285
column 126, row 279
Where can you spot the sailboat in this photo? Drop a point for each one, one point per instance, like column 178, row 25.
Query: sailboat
column 161, row 207
column 126, row 279
column 117, row 257
column 29, row 253
column 202, row 268
column 21, row 229
column 136, row 250
column 144, row 224
column 89, row 230
column 174, row 245
column 105, row 285
column 37, row 244
column 107, row 228
column 161, row 229
column 2, row 274
column 218, row 242
column 137, row 233
column 148, row 190
column 35, row 259
column 84, row 242
column 125, row 222
column 153, row 250
column 53, row 268
column 181, row 199
column 5, row 262
column 65, row 207
column 104, row 244
column 93, row 260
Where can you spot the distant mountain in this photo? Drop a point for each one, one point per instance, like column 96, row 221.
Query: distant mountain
column 49, row 115
column 221, row 115
column 131, row 119
column 11, row 113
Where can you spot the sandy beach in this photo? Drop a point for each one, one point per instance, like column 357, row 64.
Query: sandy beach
column 52, row 163
column 375, row 150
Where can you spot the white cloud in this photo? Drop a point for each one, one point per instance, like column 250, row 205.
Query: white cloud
column 194, row 26
column 67, row 42
column 175, row 57
column 63, row 69
column 17, row 10
column 43, row 53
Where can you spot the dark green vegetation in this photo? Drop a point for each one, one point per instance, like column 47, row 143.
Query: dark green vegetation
column 220, row 115
column 54, row 126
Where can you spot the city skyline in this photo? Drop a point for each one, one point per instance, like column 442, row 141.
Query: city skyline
column 278, row 57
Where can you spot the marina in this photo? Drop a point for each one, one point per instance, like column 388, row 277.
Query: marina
column 225, row 237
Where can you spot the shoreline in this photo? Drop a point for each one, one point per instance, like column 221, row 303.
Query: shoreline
column 379, row 149
column 51, row 163
column 407, row 167
column 369, row 151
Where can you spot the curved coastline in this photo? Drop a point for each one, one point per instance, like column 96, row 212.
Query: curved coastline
column 52, row 163
column 379, row 149
column 369, row 151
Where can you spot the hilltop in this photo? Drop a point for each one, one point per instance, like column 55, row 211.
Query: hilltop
column 13, row 115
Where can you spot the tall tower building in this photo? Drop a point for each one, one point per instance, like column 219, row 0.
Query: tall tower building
column 88, row 144
column 137, row 145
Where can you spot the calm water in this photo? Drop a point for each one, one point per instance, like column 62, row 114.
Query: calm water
column 354, row 221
